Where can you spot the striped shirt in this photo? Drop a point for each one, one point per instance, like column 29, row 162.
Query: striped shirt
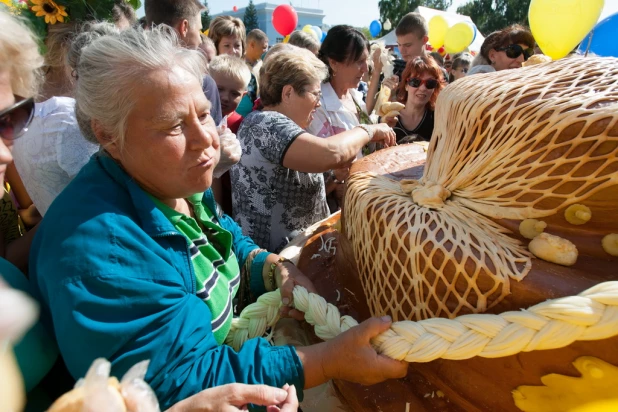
column 217, row 273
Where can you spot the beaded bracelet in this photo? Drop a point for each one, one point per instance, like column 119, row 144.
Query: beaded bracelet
column 271, row 272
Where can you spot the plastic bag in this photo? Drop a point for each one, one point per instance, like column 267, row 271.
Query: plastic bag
column 230, row 149
column 98, row 392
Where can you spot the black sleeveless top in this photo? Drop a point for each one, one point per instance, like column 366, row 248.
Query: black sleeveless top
column 422, row 132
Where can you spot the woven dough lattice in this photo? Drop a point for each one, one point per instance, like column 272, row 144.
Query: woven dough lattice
column 517, row 144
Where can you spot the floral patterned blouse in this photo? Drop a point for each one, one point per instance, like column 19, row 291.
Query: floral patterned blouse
column 270, row 202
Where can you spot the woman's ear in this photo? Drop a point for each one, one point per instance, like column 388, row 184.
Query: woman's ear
column 105, row 139
column 492, row 56
column 286, row 93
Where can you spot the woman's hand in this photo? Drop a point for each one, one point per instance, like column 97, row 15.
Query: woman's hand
column 391, row 83
column 377, row 63
column 383, row 133
column 351, row 357
column 391, row 120
column 237, row 396
column 288, row 276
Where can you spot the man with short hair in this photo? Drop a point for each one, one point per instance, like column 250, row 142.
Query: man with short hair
column 257, row 45
column 184, row 16
column 412, row 36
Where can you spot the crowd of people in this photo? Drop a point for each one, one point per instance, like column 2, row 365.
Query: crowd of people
column 141, row 225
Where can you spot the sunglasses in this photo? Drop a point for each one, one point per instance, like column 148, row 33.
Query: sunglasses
column 429, row 83
column 513, row 51
column 14, row 120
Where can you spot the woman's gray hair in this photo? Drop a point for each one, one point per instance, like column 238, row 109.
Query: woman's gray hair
column 110, row 68
column 87, row 33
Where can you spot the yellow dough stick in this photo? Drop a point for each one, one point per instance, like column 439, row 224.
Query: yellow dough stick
column 577, row 214
column 554, row 249
column 610, row 244
column 531, row 228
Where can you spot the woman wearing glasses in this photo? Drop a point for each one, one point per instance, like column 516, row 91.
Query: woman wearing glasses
column 423, row 80
column 278, row 186
column 505, row 49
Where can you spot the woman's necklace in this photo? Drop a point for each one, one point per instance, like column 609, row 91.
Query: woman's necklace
column 411, row 119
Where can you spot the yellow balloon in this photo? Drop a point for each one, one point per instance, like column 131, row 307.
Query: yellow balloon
column 307, row 29
column 205, row 32
column 458, row 37
column 558, row 26
column 286, row 38
column 438, row 27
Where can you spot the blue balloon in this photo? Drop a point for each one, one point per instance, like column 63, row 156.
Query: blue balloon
column 323, row 36
column 375, row 28
column 604, row 38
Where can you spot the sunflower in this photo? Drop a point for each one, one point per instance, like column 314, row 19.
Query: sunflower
column 50, row 10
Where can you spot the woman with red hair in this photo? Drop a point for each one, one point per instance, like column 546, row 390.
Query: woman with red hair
column 423, row 80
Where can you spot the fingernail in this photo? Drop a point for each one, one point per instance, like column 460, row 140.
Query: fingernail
column 280, row 396
column 285, row 301
column 386, row 319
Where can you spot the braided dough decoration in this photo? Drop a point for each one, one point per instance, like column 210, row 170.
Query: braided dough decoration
column 515, row 144
column 556, row 323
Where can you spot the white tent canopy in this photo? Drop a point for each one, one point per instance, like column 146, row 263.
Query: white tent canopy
column 391, row 40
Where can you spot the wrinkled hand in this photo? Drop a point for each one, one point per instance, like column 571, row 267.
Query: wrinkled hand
column 383, row 134
column 351, row 357
column 287, row 277
column 231, row 151
column 391, row 83
column 237, row 397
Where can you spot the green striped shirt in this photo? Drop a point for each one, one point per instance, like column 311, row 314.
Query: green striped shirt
column 217, row 273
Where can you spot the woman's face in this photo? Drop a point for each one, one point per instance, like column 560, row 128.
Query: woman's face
column 420, row 96
column 503, row 62
column 350, row 74
column 7, row 99
column 171, row 146
column 231, row 45
column 460, row 71
column 303, row 105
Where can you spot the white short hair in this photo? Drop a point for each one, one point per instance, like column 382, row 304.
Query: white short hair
column 231, row 66
column 111, row 66
column 19, row 56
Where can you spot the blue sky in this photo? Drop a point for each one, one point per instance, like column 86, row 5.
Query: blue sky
column 354, row 12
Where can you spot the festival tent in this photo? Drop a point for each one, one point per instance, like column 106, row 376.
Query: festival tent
column 391, row 40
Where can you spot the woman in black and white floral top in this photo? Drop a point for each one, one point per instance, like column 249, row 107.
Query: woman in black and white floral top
column 278, row 186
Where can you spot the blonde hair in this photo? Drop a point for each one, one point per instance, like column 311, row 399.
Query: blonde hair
column 19, row 56
column 224, row 26
column 291, row 66
column 231, row 66
column 110, row 68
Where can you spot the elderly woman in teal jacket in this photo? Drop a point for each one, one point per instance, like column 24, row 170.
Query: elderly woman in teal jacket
column 133, row 259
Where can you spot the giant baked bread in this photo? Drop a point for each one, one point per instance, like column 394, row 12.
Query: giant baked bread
column 420, row 240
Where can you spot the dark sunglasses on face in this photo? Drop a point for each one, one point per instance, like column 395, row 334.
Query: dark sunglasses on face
column 14, row 120
column 429, row 83
column 513, row 51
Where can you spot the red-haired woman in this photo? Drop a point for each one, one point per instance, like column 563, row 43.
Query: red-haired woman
column 423, row 80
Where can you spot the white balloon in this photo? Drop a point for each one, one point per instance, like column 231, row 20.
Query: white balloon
column 387, row 25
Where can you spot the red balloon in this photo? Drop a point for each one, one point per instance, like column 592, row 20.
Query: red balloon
column 235, row 8
column 285, row 19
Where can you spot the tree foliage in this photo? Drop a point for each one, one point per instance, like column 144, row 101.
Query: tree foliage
column 492, row 15
column 205, row 17
column 250, row 19
column 394, row 10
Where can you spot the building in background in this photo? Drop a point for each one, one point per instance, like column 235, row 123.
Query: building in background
column 313, row 17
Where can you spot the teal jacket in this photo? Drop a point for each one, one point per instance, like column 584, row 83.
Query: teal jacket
column 118, row 281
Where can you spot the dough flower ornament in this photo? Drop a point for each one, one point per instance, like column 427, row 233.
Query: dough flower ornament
column 50, row 10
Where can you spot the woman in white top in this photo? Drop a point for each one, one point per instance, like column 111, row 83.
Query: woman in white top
column 345, row 51
column 53, row 150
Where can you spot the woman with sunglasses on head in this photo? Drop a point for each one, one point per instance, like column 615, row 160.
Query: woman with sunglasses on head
column 505, row 49
column 423, row 80
column 460, row 66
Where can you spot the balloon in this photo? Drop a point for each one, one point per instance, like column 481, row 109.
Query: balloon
column 604, row 38
column 285, row 19
column 438, row 27
column 459, row 37
column 235, row 8
column 286, row 38
column 388, row 25
column 317, row 31
column 428, row 47
column 323, row 37
column 375, row 28
column 559, row 25
column 307, row 29
column 442, row 51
